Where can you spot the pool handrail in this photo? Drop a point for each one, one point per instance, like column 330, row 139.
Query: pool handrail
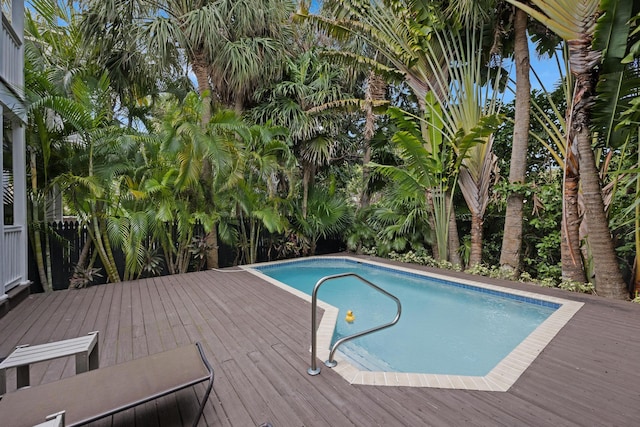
column 314, row 369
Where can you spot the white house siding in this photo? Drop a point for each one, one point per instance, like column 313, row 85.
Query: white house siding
column 13, row 234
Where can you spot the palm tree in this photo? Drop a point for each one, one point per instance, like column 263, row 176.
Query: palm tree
column 554, row 123
column 254, row 40
column 395, row 33
column 262, row 197
column 399, row 221
column 199, row 166
column 328, row 214
column 512, row 238
column 498, row 13
column 232, row 47
column 468, row 117
column 576, row 23
column 423, row 168
column 309, row 103
column 375, row 88
column 406, row 36
column 54, row 61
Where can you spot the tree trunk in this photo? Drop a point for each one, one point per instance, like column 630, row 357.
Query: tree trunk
column 435, row 251
column 608, row 278
column 571, row 256
column 366, row 173
column 96, row 235
column 201, row 70
column 512, row 238
column 376, row 90
column 109, row 252
column 211, row 240
column 609, row 281
column 308, row 176
column 454, row 239
column 84, row 255
column 477, row 222
column 35, row 219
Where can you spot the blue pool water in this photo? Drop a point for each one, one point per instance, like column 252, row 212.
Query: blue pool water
column 445, row 327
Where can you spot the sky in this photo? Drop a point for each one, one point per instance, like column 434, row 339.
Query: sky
column 547, row 70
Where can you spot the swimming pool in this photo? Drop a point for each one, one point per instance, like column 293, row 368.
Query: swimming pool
column 449, row 331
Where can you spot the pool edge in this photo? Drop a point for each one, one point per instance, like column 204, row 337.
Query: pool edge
column 500, row 378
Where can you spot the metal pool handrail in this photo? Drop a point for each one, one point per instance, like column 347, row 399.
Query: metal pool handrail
column 314, row 370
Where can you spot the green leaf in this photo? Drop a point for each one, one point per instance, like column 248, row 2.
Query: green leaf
column 611, row 33
column 615, row 95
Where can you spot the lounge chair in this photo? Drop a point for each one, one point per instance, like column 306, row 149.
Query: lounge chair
column 53, row 420
column 95, row 394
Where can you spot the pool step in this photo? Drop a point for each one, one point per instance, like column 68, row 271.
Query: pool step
column 362, row 359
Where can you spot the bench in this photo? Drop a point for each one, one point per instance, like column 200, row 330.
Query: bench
column 98, row 393
column 84, row 348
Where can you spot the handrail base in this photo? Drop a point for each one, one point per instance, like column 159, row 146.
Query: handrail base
column 313, row 372
column 331, row 363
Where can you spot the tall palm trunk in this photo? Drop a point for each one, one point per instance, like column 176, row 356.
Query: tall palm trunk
column 512, row 238
column 475, row 257
column 201, row 70
column 570, row 254
column 576, row 23
column 365, row 198
column 454, row 239
column 369, row 128
column 308, row 178
column 376, row 89
column 45, row 279
column 609, row 281
column 101, row 241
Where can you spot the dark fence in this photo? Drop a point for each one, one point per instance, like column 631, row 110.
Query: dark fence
column 68, row 238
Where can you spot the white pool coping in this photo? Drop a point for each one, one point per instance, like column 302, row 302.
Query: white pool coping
column 500, row 378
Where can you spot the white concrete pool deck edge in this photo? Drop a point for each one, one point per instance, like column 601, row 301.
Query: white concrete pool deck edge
column 501, row 378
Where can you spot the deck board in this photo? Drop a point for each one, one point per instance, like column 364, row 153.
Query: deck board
column 257, row 338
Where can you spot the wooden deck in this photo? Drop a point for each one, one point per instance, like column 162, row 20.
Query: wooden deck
column 257, row 338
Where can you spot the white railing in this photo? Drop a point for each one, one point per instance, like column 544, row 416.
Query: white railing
column 13, row 257
column 11, row 63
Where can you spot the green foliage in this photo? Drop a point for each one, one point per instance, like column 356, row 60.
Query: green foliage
column 569, row 285
column 328, row 214
column 198, row 250
column 83, row 277
column 420, row 182
column 421, row 257
column 493, row 271
column 129, row 183
column 290, row 245
column 399, row 221
column 361, row 234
